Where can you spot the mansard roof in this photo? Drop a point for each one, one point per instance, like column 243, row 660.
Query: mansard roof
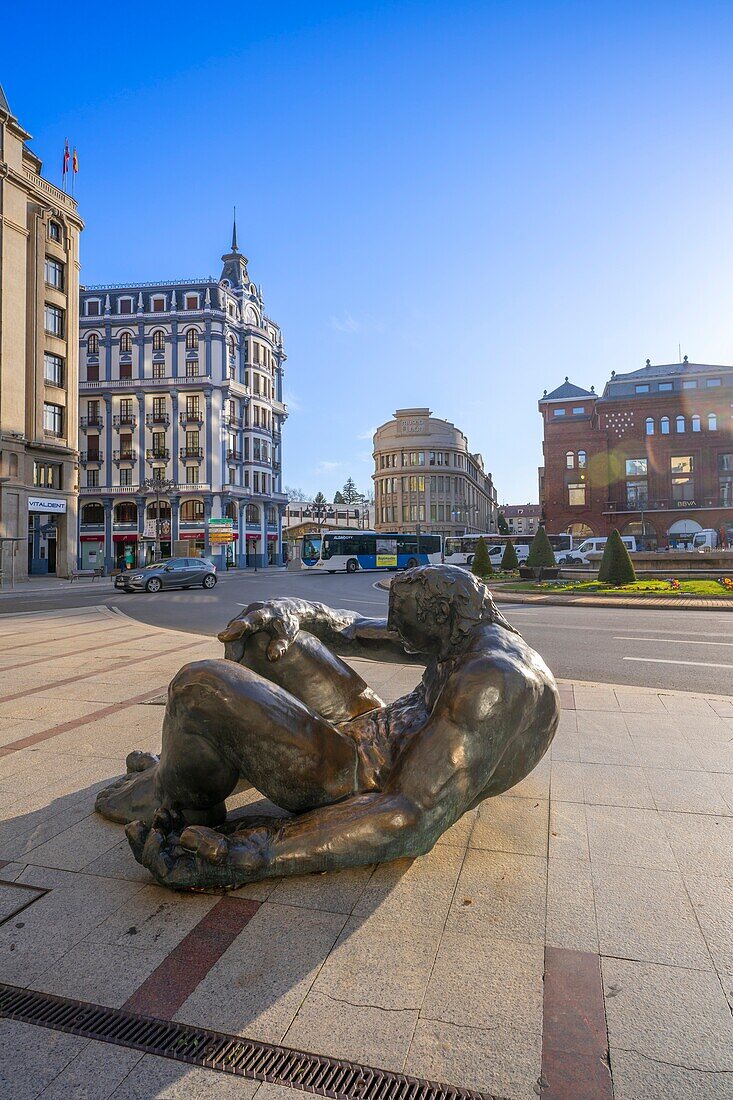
column 566, row 392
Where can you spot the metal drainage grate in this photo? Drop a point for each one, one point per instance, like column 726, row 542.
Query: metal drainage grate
column 216, row 1050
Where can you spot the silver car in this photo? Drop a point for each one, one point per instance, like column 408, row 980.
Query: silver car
column 172, row 573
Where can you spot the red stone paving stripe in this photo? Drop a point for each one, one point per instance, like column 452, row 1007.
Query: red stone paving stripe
column 173, row 982
column 89, row 649
column 574, row 1038
column 96, row 672
column 76, row 723
column 63, row 637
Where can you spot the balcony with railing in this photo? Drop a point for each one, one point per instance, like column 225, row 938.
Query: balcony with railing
column 157, row 420
column 87, row 457
column 191, row 416
column 192, row 454
column 127, row 454
column 160, row 453
column 233, row 455
column 124, row 420
column 95, row 422
column 233, row 421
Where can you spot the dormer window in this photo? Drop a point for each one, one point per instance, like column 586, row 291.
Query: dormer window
column 192, row 301
column 125, row 305
column 94, row 307
column 158, row 305
column 558, row 412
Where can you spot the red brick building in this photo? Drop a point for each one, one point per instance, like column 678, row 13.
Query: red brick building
column 652, row 455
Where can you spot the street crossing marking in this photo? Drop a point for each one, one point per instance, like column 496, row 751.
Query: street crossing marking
column 665, row 661
column 670, row 641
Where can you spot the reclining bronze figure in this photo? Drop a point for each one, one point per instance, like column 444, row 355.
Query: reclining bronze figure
column 361, row 781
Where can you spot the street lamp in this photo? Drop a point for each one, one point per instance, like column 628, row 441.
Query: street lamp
column 157, row 485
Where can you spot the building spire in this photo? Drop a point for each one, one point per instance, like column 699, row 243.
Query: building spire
column 234, row 232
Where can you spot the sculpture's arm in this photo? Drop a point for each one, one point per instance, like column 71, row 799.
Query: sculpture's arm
column 341, row 630
column 437, row 778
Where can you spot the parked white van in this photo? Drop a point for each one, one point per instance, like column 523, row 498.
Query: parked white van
column 596, row 546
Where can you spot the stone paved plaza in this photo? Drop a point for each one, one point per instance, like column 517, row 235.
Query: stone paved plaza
column 588, row 910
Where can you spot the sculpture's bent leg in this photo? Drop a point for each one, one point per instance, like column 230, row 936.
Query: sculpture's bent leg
column 308, row 671
column 224, row 722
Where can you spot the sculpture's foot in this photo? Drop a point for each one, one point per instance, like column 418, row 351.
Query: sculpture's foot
column 133, row 797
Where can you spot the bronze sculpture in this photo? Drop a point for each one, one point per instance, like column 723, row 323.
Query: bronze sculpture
column 363, row 781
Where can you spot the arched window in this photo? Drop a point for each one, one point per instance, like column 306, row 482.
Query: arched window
column 93, row 514
column 570, row 460
column 650, row 425
column 165, row 510
column 192, row 511
column 253, row 513
column 696, row 423
column 664, row 424
column 126, row 342
column 231, row 511
column 192, row 339
column 712, row 422
column 159, row 340
column 680, row 424
column 271, row 515
column 126, row 512
column 93, row 344
column 582, row 460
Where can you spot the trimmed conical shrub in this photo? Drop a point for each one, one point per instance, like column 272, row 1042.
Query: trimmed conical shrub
column 509, row 561
column 540, row 552
column 616, row 565
column 481, row 565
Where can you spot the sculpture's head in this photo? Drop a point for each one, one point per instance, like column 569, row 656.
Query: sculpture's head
column 434, row 608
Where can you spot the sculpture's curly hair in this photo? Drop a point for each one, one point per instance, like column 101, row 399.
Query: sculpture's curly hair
column 451, row 595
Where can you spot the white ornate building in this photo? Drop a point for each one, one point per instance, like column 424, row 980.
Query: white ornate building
column 181, row 380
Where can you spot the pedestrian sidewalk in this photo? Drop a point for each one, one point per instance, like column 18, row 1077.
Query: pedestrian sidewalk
column 572, row 938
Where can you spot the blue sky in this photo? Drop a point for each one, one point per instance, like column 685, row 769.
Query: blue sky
column 452, row 205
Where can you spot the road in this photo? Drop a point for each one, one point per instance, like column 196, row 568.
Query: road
column 685, row 650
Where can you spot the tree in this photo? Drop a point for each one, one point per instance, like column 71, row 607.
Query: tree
column 616, row 566
column 509, row 560
column 294, row 494
column 503, row 525
column 350, row 492
column 338, row 498
column 540, row 552
column 481, row 565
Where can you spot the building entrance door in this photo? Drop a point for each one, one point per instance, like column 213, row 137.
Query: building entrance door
column 51, row 545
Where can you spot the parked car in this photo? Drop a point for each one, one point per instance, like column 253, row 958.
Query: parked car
column 496, row 553
column 594, row 546
column 171, row 573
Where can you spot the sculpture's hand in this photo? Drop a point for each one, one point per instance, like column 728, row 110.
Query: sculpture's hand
column 275, row 618
column 197, row 857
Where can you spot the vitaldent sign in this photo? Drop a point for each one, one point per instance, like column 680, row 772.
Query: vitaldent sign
column 46, row 504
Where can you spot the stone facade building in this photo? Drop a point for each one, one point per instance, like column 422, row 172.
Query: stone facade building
column 521, row 519
column 181, row 380
column 424, row 473
column 39, row 315
column 651, row 456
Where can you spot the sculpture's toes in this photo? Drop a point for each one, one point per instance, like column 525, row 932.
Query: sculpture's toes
column 138, row 761
column 131, row 798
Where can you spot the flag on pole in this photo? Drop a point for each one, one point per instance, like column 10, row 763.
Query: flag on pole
column 75, row 162
column 65, row 168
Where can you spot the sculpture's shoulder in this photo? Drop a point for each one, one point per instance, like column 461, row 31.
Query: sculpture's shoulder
column 497, row 668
